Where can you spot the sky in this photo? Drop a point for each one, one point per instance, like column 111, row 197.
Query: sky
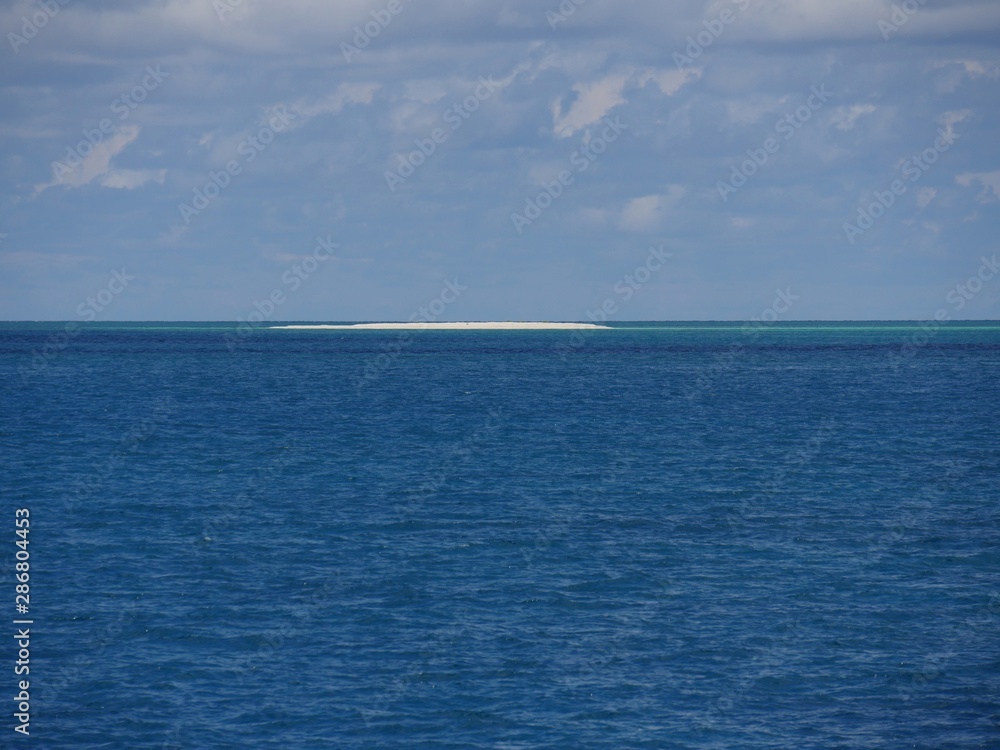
column 354, row 160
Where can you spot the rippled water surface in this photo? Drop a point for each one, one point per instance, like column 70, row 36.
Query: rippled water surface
column 656, row 536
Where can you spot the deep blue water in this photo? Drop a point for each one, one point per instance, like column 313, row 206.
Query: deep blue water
column 659, row 536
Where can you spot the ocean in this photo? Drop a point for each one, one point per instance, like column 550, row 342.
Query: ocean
column 661, row 535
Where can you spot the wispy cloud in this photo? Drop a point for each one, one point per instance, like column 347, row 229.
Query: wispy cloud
column 344, row 94
column 990, row 182
column 595, row 99
column 646, row 213
column 845, row 117
column 96, row 166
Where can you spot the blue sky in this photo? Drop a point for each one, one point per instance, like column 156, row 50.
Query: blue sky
column 531, row 153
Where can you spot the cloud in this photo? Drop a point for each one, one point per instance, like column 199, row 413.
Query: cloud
column 925, row 195
column 750, row 109
column 425, row 91
column 346, row 93
column 950, row 119
column 669, row 80
column 596, row 99
column 129, row 179
column 593, row 101
column 845, row 117
column 788, row 20
column 97, row 164
column 822, row 20
column 989, row 180
column 645, row 214
column 974, row 68
column 608, row 60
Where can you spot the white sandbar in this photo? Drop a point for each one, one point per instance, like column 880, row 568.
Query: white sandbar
column 472, row 326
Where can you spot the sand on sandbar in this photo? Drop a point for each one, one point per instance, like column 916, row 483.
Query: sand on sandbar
column 470, row 326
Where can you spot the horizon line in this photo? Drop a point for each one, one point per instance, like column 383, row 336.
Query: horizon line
column 277, row 323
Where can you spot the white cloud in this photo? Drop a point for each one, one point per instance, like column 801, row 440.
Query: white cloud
column 346, row 93
column 129, row 179
column 800, row 20
column 596, row 99
column 950, row 119
column 953, row 73
column 989, row 180
column 670, row 80
column 974, row 68
column 749, row 110
column 925, row 195
column 845, row 117
column 425, row 91
column 645, row 213
column 304, row 27
column 511, row 18
column 97, row 164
